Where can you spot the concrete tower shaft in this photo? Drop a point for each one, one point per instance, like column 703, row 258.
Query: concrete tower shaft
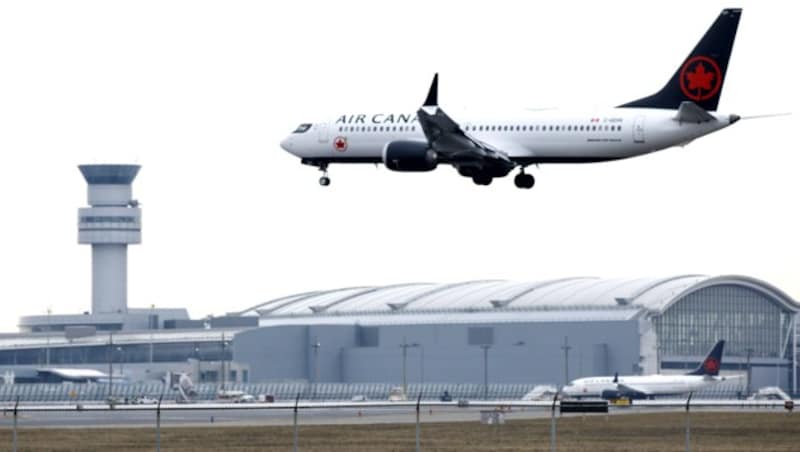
column 113, row 221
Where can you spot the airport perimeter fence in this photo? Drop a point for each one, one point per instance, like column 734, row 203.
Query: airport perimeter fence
column 67, row 392
column 44, row 392
column 555, row 408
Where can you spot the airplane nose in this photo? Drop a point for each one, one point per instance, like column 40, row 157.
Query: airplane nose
column 734, row 118
column 286, row 144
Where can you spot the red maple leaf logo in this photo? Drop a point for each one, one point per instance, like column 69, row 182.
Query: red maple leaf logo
column 700, row 79
column 711, row 365
column 340, row 144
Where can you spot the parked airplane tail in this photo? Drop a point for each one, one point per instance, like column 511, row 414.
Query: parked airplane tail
column 700, row 77
column 713, row 362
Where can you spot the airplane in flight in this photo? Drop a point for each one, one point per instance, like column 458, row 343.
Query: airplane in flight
column 487, row 147
column 648, row 386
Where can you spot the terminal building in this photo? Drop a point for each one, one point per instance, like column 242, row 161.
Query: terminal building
column 534, row 332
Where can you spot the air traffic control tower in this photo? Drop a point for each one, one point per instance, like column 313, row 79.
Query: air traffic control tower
column 113, row 222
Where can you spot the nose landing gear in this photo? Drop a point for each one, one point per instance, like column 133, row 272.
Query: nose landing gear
column 523, row 180
column 324, row 180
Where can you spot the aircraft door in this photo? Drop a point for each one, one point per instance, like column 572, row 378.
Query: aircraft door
column 638, row 129
column 323, row 133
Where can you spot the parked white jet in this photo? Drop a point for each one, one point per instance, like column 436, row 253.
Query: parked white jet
column 487, row 147
column 648, row 386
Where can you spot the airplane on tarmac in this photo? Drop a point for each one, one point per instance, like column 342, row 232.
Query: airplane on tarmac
column 484, row 148
column 648, row 386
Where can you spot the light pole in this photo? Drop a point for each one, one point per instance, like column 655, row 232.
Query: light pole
column 519, row 344
column 486, row 348
column 658, row 358
column 153, row 324
column 316, row 345
column 110, row 364
column 566, row 347
column 121, row 361
column 197, row 358
column 421, row 364
column 47, row 349
column 749, row 371
column 222, row 361
column 405, row 346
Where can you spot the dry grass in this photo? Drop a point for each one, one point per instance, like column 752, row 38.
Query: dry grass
column 635, row 432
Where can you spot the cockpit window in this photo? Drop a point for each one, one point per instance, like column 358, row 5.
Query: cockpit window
column 302, row 128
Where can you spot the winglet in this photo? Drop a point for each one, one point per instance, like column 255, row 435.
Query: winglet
column 433, row 94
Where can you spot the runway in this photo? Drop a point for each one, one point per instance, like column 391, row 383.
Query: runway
column 251, row 417
column 311, row 416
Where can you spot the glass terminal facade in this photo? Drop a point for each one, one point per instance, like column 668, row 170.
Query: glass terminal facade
column 746, row 318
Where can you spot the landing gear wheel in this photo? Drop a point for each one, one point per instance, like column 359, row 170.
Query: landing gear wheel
column 523, row 180
column 481, row 179
column 324, row 180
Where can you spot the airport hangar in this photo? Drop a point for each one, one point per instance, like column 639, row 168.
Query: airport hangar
column 529, row 332
column 518, row 332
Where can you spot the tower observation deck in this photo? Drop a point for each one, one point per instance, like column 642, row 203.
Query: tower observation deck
column 113, row 222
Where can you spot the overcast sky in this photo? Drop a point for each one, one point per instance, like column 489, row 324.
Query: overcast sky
column 201, row 93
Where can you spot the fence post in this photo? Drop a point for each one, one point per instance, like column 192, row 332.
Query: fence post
column 688, row 424
column 419, row 398
column 158, row 423
column 296, row 401
column 553, row 424
column 15, row 424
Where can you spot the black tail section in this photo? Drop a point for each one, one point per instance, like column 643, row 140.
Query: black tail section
column 699, row 79
column 712, row 363
column 433, row 93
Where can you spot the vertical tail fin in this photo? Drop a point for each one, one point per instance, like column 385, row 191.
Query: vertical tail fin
column 712, row 363
column 699, row 79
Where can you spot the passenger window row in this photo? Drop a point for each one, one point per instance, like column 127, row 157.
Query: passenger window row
column 547, row 128
column 377, row 128
column 495, row 128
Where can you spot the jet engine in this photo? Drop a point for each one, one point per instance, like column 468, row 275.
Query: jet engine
column 409, row 156
column 611, row 394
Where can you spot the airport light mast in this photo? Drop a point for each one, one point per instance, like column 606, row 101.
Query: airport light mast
column 566, row 347
column 486, row 348
column 405, row 346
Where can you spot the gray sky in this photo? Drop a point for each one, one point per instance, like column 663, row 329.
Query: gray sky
column 200, row 94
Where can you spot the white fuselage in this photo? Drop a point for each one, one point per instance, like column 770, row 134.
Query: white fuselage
column 650, row 384
column 527, row 137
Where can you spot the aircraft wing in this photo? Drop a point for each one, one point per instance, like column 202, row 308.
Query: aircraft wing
column 632, row 391
column 449, row 141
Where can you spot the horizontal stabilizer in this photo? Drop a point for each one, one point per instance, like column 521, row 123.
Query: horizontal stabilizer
column 691, row 112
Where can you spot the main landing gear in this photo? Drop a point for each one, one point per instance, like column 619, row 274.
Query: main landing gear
column 523, row 180
column 324, row 180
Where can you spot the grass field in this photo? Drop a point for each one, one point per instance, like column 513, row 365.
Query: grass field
column 633, row 432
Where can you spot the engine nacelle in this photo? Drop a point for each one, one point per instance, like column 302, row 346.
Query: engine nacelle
column 610, row 394
column 409, row 156
column 613, row 394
